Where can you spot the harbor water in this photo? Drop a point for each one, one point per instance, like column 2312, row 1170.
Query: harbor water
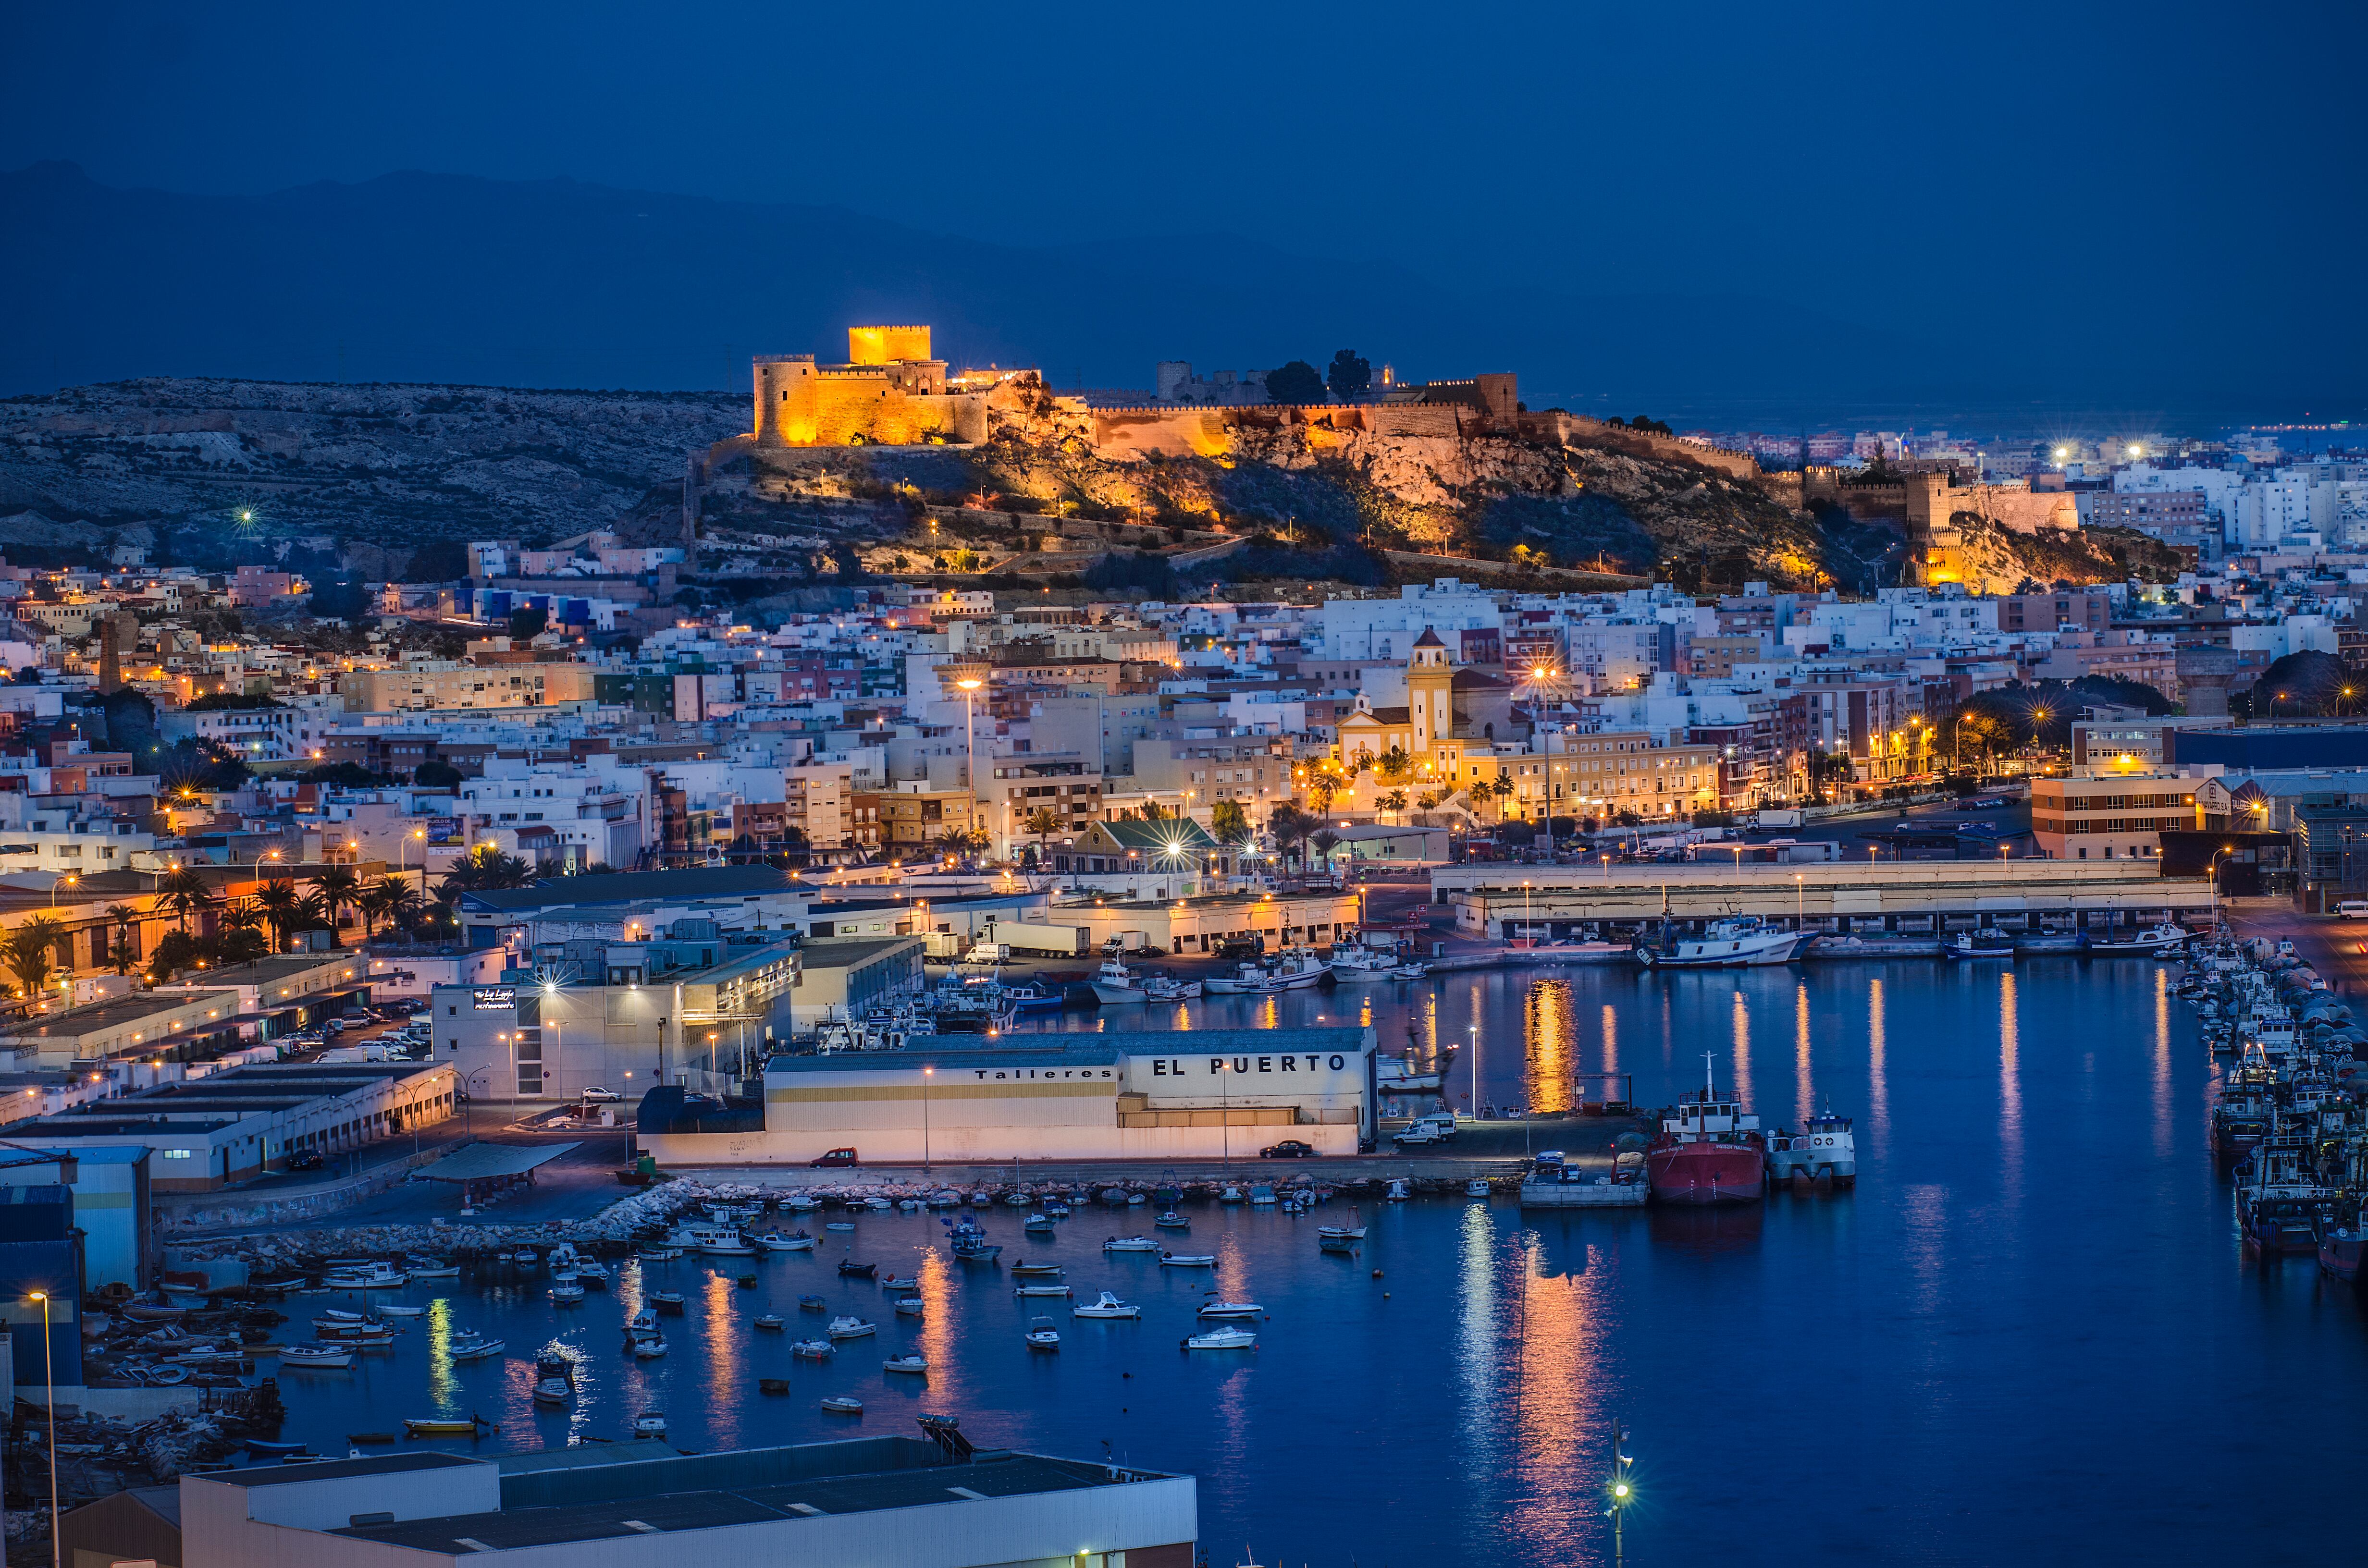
column 2031, row 1334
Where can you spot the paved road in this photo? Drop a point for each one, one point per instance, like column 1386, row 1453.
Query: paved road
column 2332, row 945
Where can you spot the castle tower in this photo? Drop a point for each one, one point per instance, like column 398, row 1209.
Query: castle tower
column 1431, row 693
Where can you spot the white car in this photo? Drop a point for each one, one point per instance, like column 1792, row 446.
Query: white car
column 600, row 1097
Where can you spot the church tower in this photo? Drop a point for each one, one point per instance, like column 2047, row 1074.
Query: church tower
column 1430, row 694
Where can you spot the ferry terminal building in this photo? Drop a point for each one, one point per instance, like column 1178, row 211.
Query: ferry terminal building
column 1184, row 1094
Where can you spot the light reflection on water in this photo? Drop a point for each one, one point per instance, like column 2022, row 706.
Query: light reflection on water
column 1933, row 1349
column 1553, row 1051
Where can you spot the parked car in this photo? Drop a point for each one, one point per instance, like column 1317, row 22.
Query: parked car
column 835, row 1157
column 304, row 1160
column 599, row 1096
column 1289, row 1149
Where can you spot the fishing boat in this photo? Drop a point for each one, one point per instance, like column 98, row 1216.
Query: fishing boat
column 1824, row 1150
column 1055, row 1209
column 552, row 1391
column 1106, row 1305
column 477, row 1350
column 851, row 1270
column 1231, row 1195
column 2153, row 942
column 1037, row 1226
column 650, row 1423
column 1711, row 1151
column 910, row 1306
column 317, row 1358
column 668, row 1302
column 847, row 1327
column 812, row 1303
column 773, row 1241
column 379, row 1277
column 2341, row 1250
column 1971, row 945
column 1023, row 1269
column 840, row 1404
column 1218, row 1310
column 1222, row 1339
column 1188, row 1260
column 1167, row 988
column 1042, row 1335
column 446, row 1426
column 908, row 1282
column 1262, row 1196
column 915, row 1364
column 771, row 1323
column 526, row 1257
column 565, row 1292
column 1739, row 941
column 1115, row 984
column 660, row 1254
column 1406, row 1076
column 1172, row 1221
column 643, row 1322
column 432, row 1268
column 1031, row 995
column 712, row 1241
column 813, row 1349
column 649, row 1347
column 1131, row 1244
column 970, row 1244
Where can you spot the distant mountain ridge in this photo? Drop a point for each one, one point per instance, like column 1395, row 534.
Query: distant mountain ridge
column 445, row 279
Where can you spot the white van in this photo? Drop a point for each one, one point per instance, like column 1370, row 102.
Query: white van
column 1437, row 1128
column 2354, row 909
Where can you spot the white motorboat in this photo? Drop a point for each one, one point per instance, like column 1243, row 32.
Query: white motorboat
column 1349, row 963
column 377, row 1277
column 660, row 1254
column 1296, row 970
column 1042, row 1335
column 1172, row 1221
column 552, row 1391
column 1409, row 971
column 801, row 1203
column 842, row 1405
column 1222, row 1309
column 1350, row 1233
column 649, row 1347
column 1222, row 1339
column 918, row 1365
column 434, row 1268
column 910, row 1307
column 526, row 1257
column 1131, row 1244
column 643, row 1322
column 319, row 1358
column 1106, row 1305
column 1114, row 982
column 1188, row 1260
column 813, row 1349
column 477, row 1350
column 1475, row 1188
column 712, row 1241
column 840, row 1225
column 1058, row 1291
column 771, row 1323
column 2154, row 941
column 393, row 1312
column 851, row 1328
column 1399, row 1191
column 1247, row 979
column 773, row 1241
column 1742, row 942
column 1973, row 945
column 1167, row 988
column 567, row 1292
column 1231, row 1195
column 650, row 1423
column 1037, row 1226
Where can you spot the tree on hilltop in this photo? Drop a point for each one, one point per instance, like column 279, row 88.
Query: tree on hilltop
column 1294, row 382
column 1349, row 376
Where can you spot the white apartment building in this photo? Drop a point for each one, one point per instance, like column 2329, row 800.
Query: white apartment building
column 1386, row 629
column 569, row 817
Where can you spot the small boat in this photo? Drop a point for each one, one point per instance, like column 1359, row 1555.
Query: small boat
column 1172, row 1221
column 433, row 1268
column 1231, row 1195
column 1353, row 1231
column 844, row 1327
column 1055, row 1209
column 445, row 1427
column 477, row 1350
column 1024, row 1270
column 367, row 1439
column 801, row 1203
column 320, row 1357
column 813, row 1349
column 912, row 1282
column 650, row 1423
column 1475, row 1188
column 1131, row 1244
column 1980, row 945
column 772, row 1385
column 909, row 1306
column 1221, row 1310
column 669, row 1302
column 1167, row 988
column 812, row 1303
column 772, row 1241
column 840, row 1225
column 771, row 1323
column 1106, row 1305
column 1041, row 1290
column 526, row 1257
column 338, row 1314
column 390, row 1311
column 839, row 1405
column 1222, row 1339
column 649, row 1347
column 552, row 1391
column 1037, row 1226
column 1262, row 1196
column 849, row 1269
column 566, row 1293
column 257, row 1449
column 643, row 1322
column 1188, row 1260
column 919, row 1364
column 1042, row 1335
column 660, row 1255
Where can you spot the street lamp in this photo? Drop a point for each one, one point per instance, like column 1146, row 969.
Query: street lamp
column 417, row 834
column 928, row 1070
column 968, row 685
column 49, row 1380
column 1474, row 1031
column 68, row 880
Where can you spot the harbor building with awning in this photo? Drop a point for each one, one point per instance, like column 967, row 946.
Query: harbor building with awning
column 1199, row 1093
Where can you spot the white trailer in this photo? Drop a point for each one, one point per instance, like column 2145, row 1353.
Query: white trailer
column 1038, row 938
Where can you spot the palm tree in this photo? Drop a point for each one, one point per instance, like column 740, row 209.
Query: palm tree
column 1393, row 801
column 313, row 914
column 119, row 953
column 277, row 903
column 1290, row 828
column 336, row 887
column 402, row 905
column 1043, row 825
column 31, row 952
column 1324, row 842
column 488, row 870
column 184, row 891
column 371, row 904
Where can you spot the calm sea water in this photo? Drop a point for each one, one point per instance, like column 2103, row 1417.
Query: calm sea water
column 2028, row 1335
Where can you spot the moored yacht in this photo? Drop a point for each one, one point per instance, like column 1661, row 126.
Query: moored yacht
column 1742, row 942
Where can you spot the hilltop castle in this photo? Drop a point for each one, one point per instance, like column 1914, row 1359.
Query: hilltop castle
column 888, row 393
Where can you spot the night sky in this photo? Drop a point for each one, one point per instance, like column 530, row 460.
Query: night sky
column 2152, row 200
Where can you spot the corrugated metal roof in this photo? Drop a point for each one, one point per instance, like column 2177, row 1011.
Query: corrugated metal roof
column 479, row 1161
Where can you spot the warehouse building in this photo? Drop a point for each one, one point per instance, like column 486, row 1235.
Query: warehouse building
column 1203, row 1094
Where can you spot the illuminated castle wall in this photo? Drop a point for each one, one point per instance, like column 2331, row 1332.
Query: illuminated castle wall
column 888, row 393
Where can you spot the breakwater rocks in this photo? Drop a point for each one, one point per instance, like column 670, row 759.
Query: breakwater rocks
column 647, row 1215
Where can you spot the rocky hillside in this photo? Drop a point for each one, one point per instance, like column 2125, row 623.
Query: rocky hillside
column 189, row 467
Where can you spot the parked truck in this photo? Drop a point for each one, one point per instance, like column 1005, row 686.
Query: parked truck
column 1037, row 939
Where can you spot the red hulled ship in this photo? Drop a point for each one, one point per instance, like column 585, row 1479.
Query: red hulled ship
column 1711, row 1151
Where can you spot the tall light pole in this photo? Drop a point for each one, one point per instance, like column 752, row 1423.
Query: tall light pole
column 1226, row 1114
column 69, row 880
column 1474, row 1031
column 969, row 685
column 49, row 1380
column 928, row 1070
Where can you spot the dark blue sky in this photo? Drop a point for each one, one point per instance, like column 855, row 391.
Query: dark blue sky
column 2169, row 183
